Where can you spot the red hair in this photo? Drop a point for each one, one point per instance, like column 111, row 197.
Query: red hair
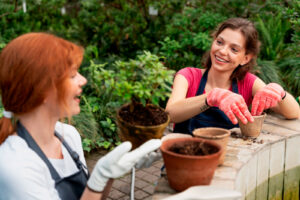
column 30, row 66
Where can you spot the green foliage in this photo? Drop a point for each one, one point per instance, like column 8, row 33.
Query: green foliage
column 290, row 70
column 272, row 34
column 101, row 104
column 188, row 37
column 144, row 79
column 268, row 71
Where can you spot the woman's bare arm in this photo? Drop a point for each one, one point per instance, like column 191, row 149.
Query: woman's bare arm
column 181, row 108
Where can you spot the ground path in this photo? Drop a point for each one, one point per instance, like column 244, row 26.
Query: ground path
column 145, row 180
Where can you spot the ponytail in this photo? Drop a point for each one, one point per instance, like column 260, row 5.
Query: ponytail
column 6, row 128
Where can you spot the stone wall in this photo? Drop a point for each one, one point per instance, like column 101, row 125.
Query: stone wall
column 265, row 168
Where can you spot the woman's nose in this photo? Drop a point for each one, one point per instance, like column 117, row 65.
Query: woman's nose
column 223, row 50
column 83, row 80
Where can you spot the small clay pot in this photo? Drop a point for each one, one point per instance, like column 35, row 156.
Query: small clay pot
column 253, row 129
column 218, row 135
column 184, row 171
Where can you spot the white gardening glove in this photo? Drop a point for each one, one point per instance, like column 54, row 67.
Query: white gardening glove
column 148, row 159
column 206, row 193
column 118, row 162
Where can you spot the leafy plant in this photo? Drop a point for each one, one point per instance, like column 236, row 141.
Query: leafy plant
column 290, row 70
column 143, row 80
column 268, row 71
column 272, row 30
column 188, row 37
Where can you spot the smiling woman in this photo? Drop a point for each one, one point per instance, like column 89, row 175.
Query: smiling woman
column 221, row 93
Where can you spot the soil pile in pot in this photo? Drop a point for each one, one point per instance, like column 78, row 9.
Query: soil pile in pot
column 145, row 116
column 142, row 124
column 185, row 169
column 194, row 149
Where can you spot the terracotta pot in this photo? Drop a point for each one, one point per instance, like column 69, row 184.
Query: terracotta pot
column 184, row 171
column 137, row 134
column 253, row 129
column 218, row 135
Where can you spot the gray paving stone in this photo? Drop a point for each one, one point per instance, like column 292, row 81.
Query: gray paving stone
column 118, row 183
column 126, row 178
column 149, row 178
column 115, row 194
column 124, row 198
column 151, row 170
column 125, row 188
column 149, row 189
column 140, row 173
column 140, row 183
column 140, row 194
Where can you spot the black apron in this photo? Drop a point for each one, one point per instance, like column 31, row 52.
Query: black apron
column 70, row 187
column 213, row 117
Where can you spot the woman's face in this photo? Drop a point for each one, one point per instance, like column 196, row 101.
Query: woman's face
column 73, row 86
column 74, row 90
column 228, row 51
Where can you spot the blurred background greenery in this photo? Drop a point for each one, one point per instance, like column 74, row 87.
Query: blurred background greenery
column 177, row 30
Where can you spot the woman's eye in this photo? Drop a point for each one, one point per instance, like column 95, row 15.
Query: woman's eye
column 219, row 42
column 234, row 50
column 73, row 75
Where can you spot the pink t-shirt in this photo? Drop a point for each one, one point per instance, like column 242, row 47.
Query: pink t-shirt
column 194, row 75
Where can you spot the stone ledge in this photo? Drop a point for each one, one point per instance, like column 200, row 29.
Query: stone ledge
column 268, row 168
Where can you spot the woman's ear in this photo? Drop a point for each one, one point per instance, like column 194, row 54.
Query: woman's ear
column 247, row 59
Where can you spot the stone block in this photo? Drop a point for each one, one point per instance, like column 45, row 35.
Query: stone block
column 279, row 120
column 292, row 168
column 251, row 184
column 263, row 164
column 276, row 171
column 225, row 173
column 242, row 180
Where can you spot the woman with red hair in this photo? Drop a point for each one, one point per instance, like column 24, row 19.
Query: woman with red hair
column 40, row 157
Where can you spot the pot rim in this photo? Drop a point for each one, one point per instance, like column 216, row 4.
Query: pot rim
column 221, row 136
column 174, row 140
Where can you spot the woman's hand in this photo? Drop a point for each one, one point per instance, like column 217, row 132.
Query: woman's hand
column 233, row 105
column 267, row 97
column 118, row 162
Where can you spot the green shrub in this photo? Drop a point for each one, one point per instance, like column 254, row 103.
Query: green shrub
column 268, row 71
column 290, row 70
column 143, row 80
column 188, row 37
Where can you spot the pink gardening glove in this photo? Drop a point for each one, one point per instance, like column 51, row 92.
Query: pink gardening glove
column 267, row 97
column 233, row 105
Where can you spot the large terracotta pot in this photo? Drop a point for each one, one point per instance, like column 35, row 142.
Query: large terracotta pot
column 136, row 134
column 253, row 129
column 184, row 171
column 218, row 135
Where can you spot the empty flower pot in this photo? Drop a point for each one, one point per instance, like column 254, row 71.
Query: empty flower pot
column 253, row 129
column 190, row 161
column 218, row 135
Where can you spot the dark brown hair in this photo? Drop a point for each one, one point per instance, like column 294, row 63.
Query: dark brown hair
column 30, row 66
column 252, row 45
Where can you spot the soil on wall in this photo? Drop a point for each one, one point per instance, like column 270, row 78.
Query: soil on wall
column 145, row 116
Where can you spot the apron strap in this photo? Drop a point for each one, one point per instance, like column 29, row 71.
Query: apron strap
column 23, row 133
column 73, row 154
